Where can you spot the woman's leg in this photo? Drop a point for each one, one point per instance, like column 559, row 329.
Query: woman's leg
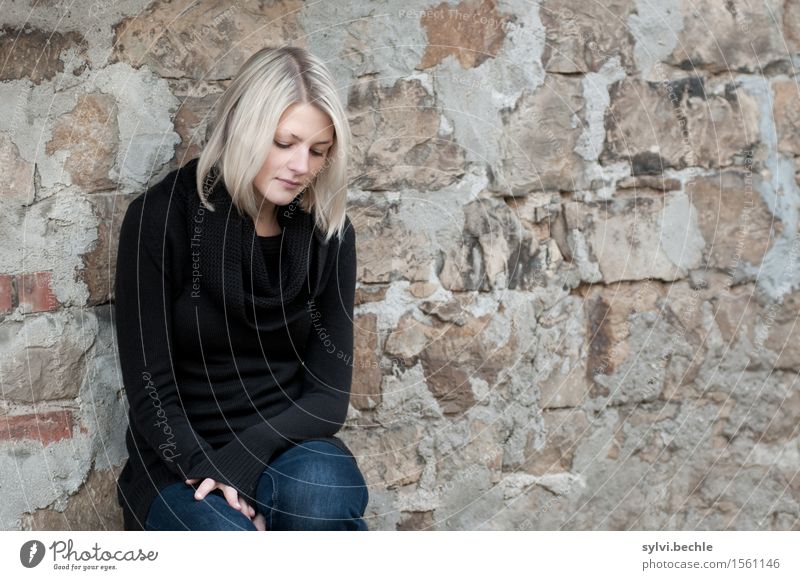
column 313, row 486
column 175, row 508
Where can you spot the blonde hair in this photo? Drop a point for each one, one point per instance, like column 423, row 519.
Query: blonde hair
column 267, row 84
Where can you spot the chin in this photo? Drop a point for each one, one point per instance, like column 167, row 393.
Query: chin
column 285, row 197
column 278, row 197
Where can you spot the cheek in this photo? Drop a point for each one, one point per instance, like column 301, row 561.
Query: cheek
column 270, row 165
column 261, row 180
column 269, row 170
column 264, row 178
column 320, row 164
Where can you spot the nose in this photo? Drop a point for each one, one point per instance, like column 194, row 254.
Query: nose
column 298, row 162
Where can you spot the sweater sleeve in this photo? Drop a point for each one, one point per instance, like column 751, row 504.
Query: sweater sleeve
column 143, row 312
column 327, row 374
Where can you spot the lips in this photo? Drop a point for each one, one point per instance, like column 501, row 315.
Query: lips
column 289, row 183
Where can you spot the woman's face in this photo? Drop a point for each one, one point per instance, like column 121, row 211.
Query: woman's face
column 299, row 150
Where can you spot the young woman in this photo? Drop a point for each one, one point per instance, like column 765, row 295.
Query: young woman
column 234, row 298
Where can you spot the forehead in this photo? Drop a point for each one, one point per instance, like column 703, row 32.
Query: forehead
column 306, row 122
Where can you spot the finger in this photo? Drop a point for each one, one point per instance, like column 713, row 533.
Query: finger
column 191, row 481
column 245, row 509
column 232, row 496
column 204, row 488
column 251, row 512
column 260, row 522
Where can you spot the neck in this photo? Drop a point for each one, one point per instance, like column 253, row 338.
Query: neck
column 267, row 222
column 268, row 229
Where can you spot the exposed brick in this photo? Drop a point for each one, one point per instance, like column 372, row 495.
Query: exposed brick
column 414, row 521
column 17, row 188
column 176, row 42
column 93, row 507
column 35, row 294
column 45, row 427
column 402, row 148
column 6, row 294
column 91, row 136
column 366, row 390
column 33, row 54
column 478, row 25
column 101, row 259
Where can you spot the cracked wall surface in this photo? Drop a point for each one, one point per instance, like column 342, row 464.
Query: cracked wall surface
column 579, row 262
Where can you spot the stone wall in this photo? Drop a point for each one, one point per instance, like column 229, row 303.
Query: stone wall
column 578, row 249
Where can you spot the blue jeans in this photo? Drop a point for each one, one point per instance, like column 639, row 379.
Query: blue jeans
column 311, row 486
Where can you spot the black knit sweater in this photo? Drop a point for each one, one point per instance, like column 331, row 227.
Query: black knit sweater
column 222, row 376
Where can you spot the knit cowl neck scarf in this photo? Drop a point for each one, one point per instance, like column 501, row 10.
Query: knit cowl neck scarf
column 232, row 267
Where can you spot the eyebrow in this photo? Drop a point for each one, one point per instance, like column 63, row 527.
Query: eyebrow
column 317, row 143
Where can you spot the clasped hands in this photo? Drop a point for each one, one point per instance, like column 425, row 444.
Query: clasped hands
column 232, row 496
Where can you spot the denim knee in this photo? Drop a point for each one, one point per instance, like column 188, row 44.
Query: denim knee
column 315, row 486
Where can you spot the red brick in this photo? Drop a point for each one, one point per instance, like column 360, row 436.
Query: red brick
column 6, row 294
column 45, row 427
column 35, row 293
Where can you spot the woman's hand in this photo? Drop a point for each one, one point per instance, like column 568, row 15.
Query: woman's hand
column 260, row 522
column 230, row 493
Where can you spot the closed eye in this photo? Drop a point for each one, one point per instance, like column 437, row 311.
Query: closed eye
column 286, row 146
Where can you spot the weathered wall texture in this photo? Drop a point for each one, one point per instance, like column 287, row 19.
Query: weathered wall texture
column 578, row 260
